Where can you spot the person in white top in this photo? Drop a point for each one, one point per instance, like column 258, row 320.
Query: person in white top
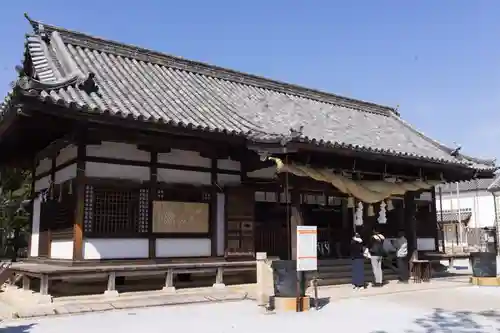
column 402, row 257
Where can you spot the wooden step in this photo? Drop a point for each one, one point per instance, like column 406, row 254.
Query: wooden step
column 338, row 271
column 347, row 280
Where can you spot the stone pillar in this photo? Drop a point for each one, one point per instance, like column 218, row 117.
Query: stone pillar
column 265, row 285
column 111, row 288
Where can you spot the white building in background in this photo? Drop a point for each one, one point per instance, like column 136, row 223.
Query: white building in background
column 464, row 209
column 468, row 197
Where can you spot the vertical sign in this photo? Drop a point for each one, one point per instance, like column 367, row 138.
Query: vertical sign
column 307, row 248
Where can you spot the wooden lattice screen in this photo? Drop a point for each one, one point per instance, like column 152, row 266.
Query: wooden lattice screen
column 116, row 210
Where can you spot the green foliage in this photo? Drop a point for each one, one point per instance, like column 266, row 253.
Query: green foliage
column 15, row 190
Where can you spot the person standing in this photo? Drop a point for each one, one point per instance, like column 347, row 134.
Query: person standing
column 376, row 254
column 402, row 257
column 358, row 262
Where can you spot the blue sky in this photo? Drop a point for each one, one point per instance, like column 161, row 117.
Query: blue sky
column 438, row 60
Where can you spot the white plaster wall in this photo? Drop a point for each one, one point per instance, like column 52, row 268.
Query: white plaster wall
column 426, row 244
column 229, row 164
column 118, row 150
column 221, row 235
column 425, row 196
column 184, row 177
column 482, row 206
column 65, row 174
column 486, row 211
column 116, row 171
column 266, row 173
column 66, row 154
column 35, row 227
column 183, row 247
column 43, row 166
column 42, row 183
column 115, row 248
column 184, row 157
column 227, row 179
column 61, row 249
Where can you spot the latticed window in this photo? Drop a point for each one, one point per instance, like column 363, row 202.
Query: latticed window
column 115, row 210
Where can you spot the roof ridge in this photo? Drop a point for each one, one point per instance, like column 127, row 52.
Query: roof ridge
column 148, row 55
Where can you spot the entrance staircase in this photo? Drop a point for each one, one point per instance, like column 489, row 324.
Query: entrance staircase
column 338, row 271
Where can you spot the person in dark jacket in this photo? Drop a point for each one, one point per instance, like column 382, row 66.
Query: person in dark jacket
column 377, row 252
column 358, row 262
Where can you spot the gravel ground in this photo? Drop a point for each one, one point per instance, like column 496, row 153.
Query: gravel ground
column 452, row 310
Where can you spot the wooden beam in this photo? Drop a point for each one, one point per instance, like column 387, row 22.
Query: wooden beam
column 162, row 142
column 80, row 199
column 55, row 147
column 119, row 123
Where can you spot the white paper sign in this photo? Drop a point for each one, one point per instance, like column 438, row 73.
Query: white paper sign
column 307, row 251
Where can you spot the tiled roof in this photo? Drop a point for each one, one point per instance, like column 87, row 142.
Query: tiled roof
column 150, row 86
column 473, row 185
column 452, row 216
column 495, row 185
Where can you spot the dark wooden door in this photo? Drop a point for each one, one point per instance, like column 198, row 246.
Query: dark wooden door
column 271, row 231
column 240, row 220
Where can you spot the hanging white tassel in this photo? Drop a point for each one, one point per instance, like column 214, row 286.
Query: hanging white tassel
column 370, row 211
column 350, row 202
column 390, row 206
column 382, row 218
column 358, row 220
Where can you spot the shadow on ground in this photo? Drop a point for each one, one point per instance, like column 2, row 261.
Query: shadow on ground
column 441, row 321
column 17, row 329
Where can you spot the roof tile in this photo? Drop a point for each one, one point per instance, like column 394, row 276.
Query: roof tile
column 147, row 85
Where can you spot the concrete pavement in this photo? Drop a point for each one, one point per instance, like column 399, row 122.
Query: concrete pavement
column 452, row 307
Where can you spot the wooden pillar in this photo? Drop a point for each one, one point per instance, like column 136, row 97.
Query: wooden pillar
column 434, row 219
column 79, row 199
column 44, row 238
column 32, row 202
column 295, row 220
column 153, row 195
column 214, row 207
column 410, row 223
